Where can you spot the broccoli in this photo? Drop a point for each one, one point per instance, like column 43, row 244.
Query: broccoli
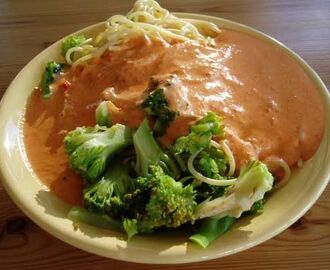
column 252, row 184
column 102, row 115
column 206, row 192
column 152, row 198
column 169, row 203
column 257, row 207
column 51, row 71
column 200, row 135
column 91, row 148
column 211, row 229
column 148, row 152
column 197, row 151
column 130, row 227
column 211, row 163
column 156, row 105
column 70, row 42
column 78, row 214
column 244, row 197
column 106, row 195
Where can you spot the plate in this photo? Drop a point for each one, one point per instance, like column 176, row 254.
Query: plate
column 282, row 209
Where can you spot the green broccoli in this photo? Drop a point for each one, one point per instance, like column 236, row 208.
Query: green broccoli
column 91, row 148
column 70, row 42
column 130, row 227
column 208, row 161
column 205, row 192
column 211, row 163
column 156, row 105
column 51, row 71
column 200, row 135
column 250, row 187
column 106, row 196
column 169, row 203
column 257, row 207
column 148, row 152
column 78, row 214
column 211, row 228
column 102, row 114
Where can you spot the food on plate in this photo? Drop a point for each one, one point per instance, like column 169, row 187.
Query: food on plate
column 159, row 122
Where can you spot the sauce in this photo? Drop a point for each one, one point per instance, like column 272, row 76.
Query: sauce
column 270, row 106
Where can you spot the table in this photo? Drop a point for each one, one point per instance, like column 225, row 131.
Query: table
column 27, row 27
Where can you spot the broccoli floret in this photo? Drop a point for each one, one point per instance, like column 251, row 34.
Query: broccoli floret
column 70, row 42
column 106, row 196
column 51, row 71
column 148, row 152
column 200, row 134
column 257, row 207
column 156, row 106
column 252, row 184
column 170, row 204
column 130, row 227
column 211, row 163
column 91, row 148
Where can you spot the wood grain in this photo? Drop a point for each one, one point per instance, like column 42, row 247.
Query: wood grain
column 27, row 27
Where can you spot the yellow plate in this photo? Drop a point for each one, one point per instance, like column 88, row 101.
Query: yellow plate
column 282, row 209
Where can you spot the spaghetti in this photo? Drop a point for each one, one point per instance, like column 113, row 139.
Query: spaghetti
column 149, row 19
column 274, row 164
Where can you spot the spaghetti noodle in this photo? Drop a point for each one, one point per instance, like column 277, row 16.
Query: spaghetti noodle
column 274, row 164
column 149, row 19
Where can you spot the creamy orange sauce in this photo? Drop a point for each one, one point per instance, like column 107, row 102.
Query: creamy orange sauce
column 270, row 106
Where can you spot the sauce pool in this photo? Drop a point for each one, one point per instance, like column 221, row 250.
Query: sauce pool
column 270, row 106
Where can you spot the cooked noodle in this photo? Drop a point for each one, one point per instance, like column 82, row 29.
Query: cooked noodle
column 149, row 19
column 228, row 154
column 274, row 163
column 202, row 178
column 216, row 182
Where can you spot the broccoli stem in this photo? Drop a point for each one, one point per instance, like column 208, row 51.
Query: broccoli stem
column 78, row 214
column 174, row 170
column 149, row 152
column 160, row 127
column 102, row 115
column 211, row 229
column 180, row 161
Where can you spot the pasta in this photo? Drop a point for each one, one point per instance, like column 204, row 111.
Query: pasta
column 275, row 163
column 146, row 18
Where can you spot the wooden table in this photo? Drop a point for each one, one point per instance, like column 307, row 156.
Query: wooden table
column 27, row 27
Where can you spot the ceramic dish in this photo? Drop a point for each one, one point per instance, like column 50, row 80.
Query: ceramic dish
column 283, row 208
